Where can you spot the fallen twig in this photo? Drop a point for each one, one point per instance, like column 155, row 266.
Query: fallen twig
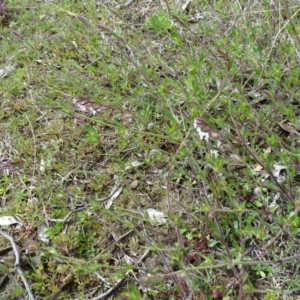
column 121, row 281
column 115, row 188
column 68, row 216
column 17, row 263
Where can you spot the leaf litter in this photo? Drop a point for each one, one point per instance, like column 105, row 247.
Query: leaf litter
column 6, row 71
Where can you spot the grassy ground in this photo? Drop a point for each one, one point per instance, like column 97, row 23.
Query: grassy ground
column 150, row 151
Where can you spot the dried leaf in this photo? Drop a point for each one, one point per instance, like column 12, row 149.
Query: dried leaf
column 287, row 127
column 42, row 166
column 42, row 235
column 8, row 166
column 156, row 217
column 277, row 169
column 5, row 165
column 236, row 162
column 202, row 128
column 258, row 168
column 112, row 197
column 134, row 164
column 201, row 123
column 268, row 150
column 85, row 104
column 6, row 71
column 8, row 220
column 82, row 103
column 78, row 120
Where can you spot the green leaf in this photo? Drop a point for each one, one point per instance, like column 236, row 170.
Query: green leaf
column 176, row 38
column 4, row 268
column 212, row 243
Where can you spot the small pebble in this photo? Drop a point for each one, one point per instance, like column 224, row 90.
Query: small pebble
column 133, row 185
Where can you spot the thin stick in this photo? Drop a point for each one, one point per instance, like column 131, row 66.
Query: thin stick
column 68, row 216
column 17, row 262
column 121, row 281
